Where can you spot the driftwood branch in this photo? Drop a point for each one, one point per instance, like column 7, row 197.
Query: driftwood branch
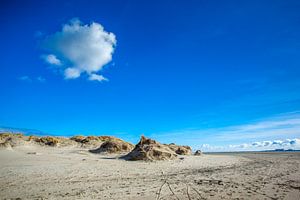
column 166, row 182
column 172, row 191
column 169, row 186
column 187, row 191
column 199, row 194
column 159, row 191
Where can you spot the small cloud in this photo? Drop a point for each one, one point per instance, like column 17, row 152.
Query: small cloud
column 96, row 77
column 41, row 79
column 52, row 59
column 25, row 78
column 80, row 48
column 38, row 34
column 72, row 73
column 29, row 79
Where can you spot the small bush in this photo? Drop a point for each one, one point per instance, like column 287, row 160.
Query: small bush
column 77, row 138
column 33, row 138
column 90, row 138
column 50, row 141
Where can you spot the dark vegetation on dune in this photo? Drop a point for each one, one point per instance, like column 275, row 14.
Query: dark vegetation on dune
column 114, row 146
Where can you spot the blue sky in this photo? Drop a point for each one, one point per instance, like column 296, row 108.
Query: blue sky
column 190, row 72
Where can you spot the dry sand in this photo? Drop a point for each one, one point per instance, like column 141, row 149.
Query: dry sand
column 34, row 172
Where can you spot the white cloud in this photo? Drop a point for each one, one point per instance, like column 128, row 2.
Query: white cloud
column 40, row 79
column 71, row 73
column 96, row 77
column 209, row 148
column 80, row 48
column 51, row 59
column 256, row 146
column 25, row 78
column 29, row 79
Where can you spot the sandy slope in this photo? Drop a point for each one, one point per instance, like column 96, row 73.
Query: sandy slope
column 34, row 172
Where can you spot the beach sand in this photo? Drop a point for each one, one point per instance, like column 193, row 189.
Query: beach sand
column 35, row 172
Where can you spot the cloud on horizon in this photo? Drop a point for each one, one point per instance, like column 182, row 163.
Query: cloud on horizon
column 80, row 49
column 279, row 127
column 255, row 146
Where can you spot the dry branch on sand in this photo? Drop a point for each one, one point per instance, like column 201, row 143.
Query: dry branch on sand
column 166, row 182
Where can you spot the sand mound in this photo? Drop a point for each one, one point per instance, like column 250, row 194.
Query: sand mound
column 6, row 135
column 14, row 139
column 88, row 141
column 93, row 141
column 198, row 153
column 49, row 141
column 5, row 145
column 180, row 150
column 78, row 138
column 52, row 141
column 115, row 146
column 150, row 150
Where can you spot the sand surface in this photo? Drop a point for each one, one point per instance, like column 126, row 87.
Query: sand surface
column 33, row 172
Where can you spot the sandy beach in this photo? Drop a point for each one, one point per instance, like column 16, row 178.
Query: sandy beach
column 35, row 172
column 149, row 100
